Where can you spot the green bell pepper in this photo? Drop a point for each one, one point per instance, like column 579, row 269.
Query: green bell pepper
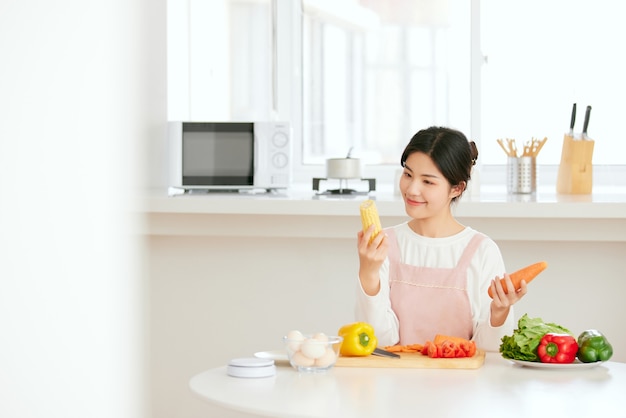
column 593, row 347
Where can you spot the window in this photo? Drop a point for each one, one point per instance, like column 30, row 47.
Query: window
column 375, row 72
column 365, row 75
column 370, row 84
column 543, row 56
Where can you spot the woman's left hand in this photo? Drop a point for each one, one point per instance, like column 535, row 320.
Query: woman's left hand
column 502, row 302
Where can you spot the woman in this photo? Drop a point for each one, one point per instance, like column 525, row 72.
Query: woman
column 431, row 274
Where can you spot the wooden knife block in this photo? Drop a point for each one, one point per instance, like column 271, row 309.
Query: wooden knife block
column 576, row 170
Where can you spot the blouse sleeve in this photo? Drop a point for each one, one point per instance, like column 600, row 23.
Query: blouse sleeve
column 376, row 310
column 487, row 266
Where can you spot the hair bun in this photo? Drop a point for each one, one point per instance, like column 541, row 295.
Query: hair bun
column 473, row 152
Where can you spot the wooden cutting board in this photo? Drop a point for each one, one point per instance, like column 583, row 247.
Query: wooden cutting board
column 414, row 360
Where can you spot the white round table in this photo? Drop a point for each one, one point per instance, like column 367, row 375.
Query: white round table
column 499, row 388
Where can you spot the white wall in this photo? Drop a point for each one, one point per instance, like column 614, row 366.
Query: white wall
column 82, row 92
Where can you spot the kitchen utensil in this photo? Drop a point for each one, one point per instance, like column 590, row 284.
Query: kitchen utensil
column 572, row 121
column 504, row 148
column 512, row 147
column 586, row 123
column 343, row 168
column 385, row 353
column 532, row 148
column 540, row 145
column 521, row 175
column 575, row 175
column 414, row 361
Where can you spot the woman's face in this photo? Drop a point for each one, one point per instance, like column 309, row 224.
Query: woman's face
column 426, row 192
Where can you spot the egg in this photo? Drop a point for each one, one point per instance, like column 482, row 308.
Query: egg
column 327, row 359
column 296, row 339
column 313, row 348
column 320, row 336
column 299, row 359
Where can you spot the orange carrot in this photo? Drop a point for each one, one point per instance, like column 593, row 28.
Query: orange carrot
column 527, row 273
column 415, row 347
column 440, row 338
column 472, row 349
column 394, row 348
column 410, row 348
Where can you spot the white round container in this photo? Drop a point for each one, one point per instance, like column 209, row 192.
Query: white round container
column 343, row 168
column 251, row 367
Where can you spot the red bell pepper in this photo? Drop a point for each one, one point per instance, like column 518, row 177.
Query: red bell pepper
column 449, row 349
column 557, row 348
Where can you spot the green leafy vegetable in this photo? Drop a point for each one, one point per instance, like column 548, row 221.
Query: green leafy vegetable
column 522, row 345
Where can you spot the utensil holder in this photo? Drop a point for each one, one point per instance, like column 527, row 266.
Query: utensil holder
column 521, row 175
column 576, row 169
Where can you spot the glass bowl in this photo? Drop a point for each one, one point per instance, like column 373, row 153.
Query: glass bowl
column 312, row 353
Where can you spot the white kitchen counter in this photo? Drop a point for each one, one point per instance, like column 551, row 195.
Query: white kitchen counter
column 545, row 215
column 499, row 388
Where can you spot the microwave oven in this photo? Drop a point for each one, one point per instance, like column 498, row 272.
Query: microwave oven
column 229, row 156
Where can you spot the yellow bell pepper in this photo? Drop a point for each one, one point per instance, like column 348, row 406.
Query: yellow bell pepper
column 358, row 339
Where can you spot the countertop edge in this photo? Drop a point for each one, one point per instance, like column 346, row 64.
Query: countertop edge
column 549, row 206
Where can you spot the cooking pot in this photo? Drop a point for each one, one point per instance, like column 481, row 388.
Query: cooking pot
column 343, row 168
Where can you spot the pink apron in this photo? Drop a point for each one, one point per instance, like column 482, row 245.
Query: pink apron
column 427, row 300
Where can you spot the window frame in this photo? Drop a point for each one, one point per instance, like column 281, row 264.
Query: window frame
column 288, row 91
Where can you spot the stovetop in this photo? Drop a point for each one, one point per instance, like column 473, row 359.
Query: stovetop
column 343, row 186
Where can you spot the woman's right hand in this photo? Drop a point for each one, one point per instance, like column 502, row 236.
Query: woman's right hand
column 371, row 257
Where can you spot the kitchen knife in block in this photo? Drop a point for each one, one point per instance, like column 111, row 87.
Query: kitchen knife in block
column 575, row 174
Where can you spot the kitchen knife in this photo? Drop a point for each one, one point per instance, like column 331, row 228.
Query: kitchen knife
column 586, row 123
column 385, row 353
column 572, row 121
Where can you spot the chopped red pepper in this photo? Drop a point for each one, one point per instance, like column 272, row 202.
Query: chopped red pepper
column 448, row 349
column 433, row 350
column 472, row 349
column 467, row 348
column 557, row 348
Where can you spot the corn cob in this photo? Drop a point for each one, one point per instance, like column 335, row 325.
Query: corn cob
column 369, row 216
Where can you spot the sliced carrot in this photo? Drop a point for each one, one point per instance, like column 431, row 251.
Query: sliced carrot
column 409, row 348
column 527, row 273
column 434, row 351
column 415, row 347
column 394, row 348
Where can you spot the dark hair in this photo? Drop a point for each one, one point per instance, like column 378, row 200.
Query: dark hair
column 449, row 149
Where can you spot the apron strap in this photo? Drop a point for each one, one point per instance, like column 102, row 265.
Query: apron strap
column 466, row 258
column 393, row 252
column 470, row 250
